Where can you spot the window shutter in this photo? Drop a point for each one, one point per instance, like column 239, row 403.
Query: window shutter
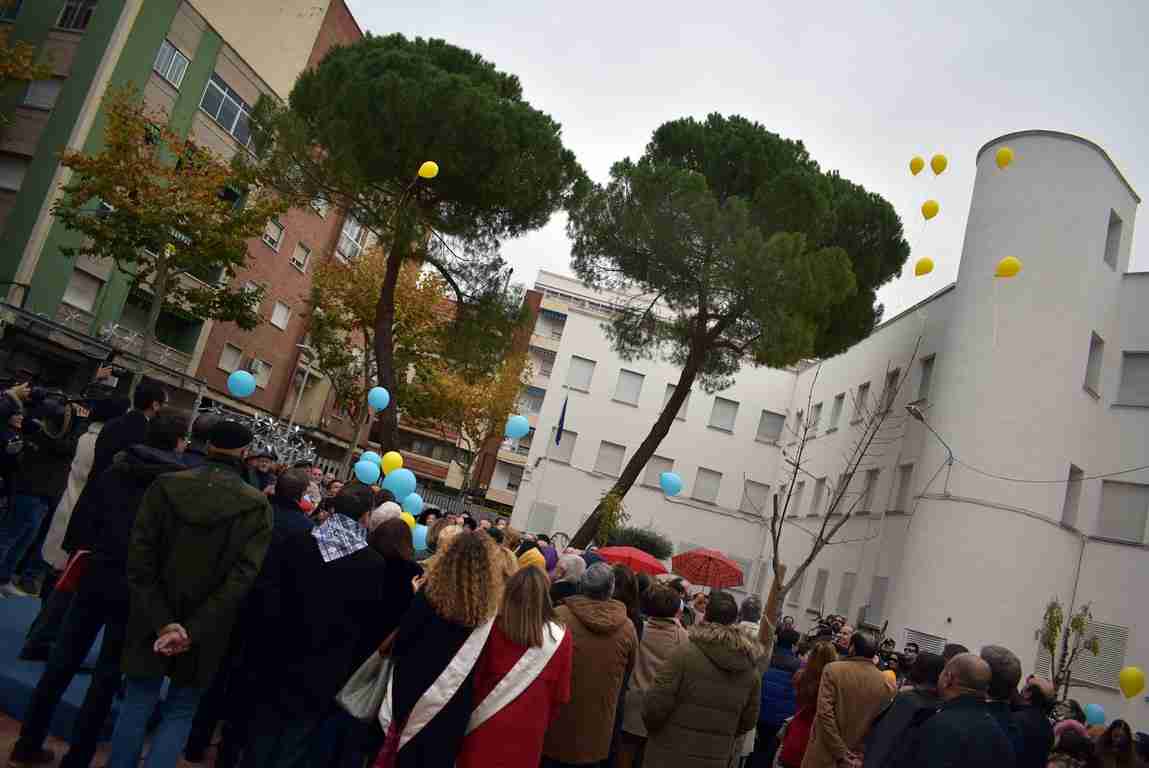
column 610, row 456
column 706, row 485
column 925, row 641
column 629, row 387
column 1134, row 388
column 770, row 426
column 724, row 414
column 580, row 373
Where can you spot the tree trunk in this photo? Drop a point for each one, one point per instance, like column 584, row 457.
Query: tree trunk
column 365, row 415
column 385, row 340
column 586, row 532
column 159, row 292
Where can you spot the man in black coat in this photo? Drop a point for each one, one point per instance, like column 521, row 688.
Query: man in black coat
column 111, row 503
column 117, row 435
column 1036, row 731
column 891, row 726
column 332, row 609
column 1005, row 674
column 963, row 733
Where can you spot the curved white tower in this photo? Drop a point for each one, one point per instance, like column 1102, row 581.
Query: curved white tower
column 983, row 557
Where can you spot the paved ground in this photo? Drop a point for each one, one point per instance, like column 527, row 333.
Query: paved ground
column 10, row 729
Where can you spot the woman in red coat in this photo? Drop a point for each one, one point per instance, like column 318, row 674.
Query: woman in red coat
column 521, row 680
column 806, row 682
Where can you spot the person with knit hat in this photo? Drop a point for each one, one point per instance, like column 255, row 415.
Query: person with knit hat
column 533, row 557
column 197, row 545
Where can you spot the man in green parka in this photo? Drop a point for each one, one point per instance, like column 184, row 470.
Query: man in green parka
column 197, row 545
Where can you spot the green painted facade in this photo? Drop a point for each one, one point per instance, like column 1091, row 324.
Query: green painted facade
column 133, row 66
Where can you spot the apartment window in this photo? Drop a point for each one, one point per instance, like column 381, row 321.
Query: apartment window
column 580, row 373
column 862, row 402
column 723, row 414
column 300, row 257
column 280, row 315
column 927, row 375
column 251, row 288
column 876, row 610
column 652, row 475
column 77, row 14
column 706, row 485
column 531, row 400
column 629, row 387
column 261, row 370
column 794, row 596
column 514, row 478
column 866, row 504
column 905, row 478
column 846, row 593
column 1113, row 239
column 836, row 412
column 10, row 10
column 795, row 508
column 170, row 64
column 609, row 459
column 82, row 290
column 770, row 426
column 755, row 498
column 522, row 446
column 12, row 170
column 1072, row 496
column 320, row 205
column 1134, row 388
column 681, row 416
column 352, row 238
column 230, row 358
column 815, row 417
column 1124, row 511
column 565, row 449
column 891, row 389
column 819, row 496
column 42, row 94
column 273, row 234
column 543, row 361
column 227, row 108
column 1093, row 367
column 819, row 594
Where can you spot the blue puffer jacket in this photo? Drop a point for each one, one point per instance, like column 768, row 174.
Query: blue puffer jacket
column 778, row 696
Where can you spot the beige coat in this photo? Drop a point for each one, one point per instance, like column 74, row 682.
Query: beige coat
column 851, row 695
column 660, row 638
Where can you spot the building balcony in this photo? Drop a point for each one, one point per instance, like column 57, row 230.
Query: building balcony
column 124, row 339
column 518, row 457
column 548, row 341
column 502, row 496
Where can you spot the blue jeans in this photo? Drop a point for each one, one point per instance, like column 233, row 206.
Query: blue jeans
column 18, row 531
column 140, row 699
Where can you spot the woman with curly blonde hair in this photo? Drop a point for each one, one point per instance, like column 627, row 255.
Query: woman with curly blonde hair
column 436, row 651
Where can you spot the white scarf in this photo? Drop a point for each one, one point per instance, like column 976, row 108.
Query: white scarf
column 529, row 666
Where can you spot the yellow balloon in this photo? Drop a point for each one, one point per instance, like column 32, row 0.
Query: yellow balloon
column 408, row 518
column 392, row 460
column 1004, row 157
column 939, row 164
column 429, row 169
column 917, row 164
column 930, row 209
column 924, row 266
column 1132, row 681
column 1008, row 267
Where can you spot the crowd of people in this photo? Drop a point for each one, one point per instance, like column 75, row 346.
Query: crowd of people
column 245, row 606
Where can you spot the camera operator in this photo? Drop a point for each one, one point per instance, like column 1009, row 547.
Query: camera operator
column 49, row 437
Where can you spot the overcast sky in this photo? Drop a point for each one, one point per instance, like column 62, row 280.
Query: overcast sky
column 865, row 89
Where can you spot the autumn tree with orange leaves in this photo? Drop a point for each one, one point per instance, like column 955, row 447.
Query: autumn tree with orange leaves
column 18, row 63
column 165, row 211
column 344, row 298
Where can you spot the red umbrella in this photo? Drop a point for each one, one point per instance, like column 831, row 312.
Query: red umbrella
column 707, row 567
column 633, row 558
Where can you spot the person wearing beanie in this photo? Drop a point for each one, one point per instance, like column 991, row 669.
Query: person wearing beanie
column 383, row 513
column 197, row 545
column 533, row 557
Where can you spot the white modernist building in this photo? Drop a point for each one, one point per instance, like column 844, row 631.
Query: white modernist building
column 1039, row 385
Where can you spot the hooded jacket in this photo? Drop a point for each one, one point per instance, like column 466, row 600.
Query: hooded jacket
column 197, row 545
column 704, row 697
column 604, row 648
column 660, row 640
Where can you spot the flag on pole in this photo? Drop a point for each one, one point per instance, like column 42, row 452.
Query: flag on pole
column 562, row 421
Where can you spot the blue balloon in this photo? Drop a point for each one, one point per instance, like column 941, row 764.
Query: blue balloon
column 671, row 483
column 518, row 426
column 241, row 384
column 419, row 538
column 401, row 483
column 367, row 472
column 1094, row 714
column 378, row 398
column 413, row 503
column 370, row 456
